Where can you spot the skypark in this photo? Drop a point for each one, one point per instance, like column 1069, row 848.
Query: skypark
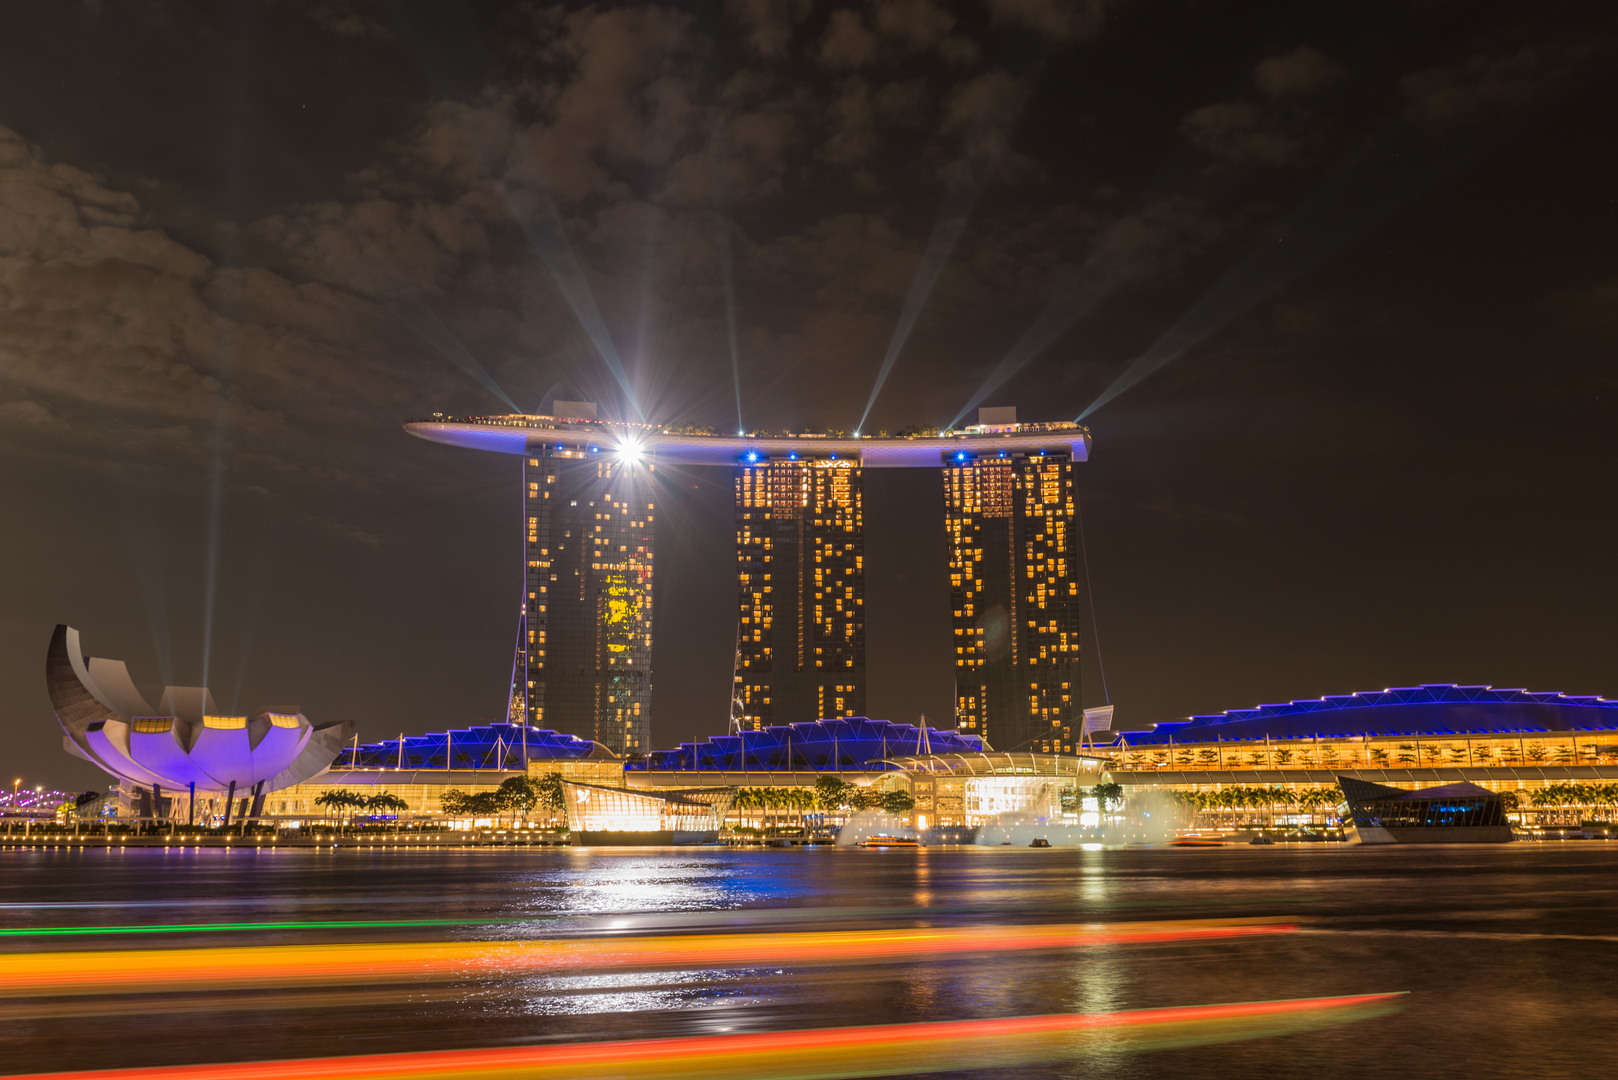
column 520, row 433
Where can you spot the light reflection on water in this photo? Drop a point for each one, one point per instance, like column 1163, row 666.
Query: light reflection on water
column 1505, row 952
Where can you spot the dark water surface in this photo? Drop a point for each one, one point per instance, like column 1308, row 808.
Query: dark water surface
column 1509, row 954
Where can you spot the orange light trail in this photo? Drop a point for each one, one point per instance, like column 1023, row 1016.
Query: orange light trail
column 814, row 1053
column 88, row 972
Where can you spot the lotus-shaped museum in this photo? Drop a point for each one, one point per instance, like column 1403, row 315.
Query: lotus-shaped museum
column 183, row 743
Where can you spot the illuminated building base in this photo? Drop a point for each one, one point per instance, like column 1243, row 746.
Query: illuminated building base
column 662, row 838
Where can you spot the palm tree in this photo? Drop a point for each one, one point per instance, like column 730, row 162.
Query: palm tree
column 338, row 799
column 746, row 799
column 1108, row 795
column 387, row 803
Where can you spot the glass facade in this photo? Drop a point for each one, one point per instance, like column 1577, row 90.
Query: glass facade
column 800, row 554
column 1014, row 599
column 1451, row 806
column 592, row 808
column 584, row 648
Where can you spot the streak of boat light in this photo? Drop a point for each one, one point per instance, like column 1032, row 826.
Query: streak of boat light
column 89, row 972
column 817, row 1052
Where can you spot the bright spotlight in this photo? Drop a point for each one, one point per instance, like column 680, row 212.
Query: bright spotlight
column 629, row 451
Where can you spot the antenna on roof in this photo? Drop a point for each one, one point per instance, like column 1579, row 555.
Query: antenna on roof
column 736, row 706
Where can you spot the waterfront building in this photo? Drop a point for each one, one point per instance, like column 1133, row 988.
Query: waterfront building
column 1503, row 740
column 420, row 768
column 967, row 790
column 955, row 781
column 599, row 815
column 1460, row 813
column 1014, row 570
column 184, row 758
column 800, row 555
column 583, row 662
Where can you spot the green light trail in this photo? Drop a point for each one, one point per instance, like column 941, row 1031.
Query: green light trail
column 208, row 928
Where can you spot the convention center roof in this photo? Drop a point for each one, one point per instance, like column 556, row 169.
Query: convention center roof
column 1435, row 709
column 489, row 746
column 520, row 434
column 849, row 742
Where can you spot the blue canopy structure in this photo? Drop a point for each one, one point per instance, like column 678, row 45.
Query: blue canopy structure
column 1430, row 709
column 851, row 742
column 488, row 746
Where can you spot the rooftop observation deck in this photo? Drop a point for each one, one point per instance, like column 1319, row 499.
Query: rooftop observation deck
column 518, row 433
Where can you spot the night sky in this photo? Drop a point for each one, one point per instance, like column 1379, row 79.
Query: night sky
column 1341, row 277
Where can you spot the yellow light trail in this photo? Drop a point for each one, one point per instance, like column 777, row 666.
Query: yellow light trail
column 89, row 972
column 820, row 1053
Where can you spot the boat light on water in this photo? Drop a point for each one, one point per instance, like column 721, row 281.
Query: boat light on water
column 27, row 974
column 887, row 1049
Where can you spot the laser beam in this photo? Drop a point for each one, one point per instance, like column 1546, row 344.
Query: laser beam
column 426, row 324
column 542, row 225
column 728, row 274
column 1396, row 165
column 966, row 184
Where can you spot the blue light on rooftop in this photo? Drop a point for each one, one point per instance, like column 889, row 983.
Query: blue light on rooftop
column 1440, row 709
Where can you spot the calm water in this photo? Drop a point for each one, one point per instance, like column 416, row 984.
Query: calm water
column 1509, row 954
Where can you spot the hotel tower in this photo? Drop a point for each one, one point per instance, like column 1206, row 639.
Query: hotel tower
column 584, row 643
column 1014, row 593
column 800, row 555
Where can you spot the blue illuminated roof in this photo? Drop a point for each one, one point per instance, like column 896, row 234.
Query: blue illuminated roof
column 488, row 746
column 851, row 742
column 1435, row 709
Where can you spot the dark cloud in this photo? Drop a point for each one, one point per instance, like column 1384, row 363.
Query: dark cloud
column 1241, row 131
column 769, row 24
column 1493, row 84
column 1301, row 71
column 1059, row 20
